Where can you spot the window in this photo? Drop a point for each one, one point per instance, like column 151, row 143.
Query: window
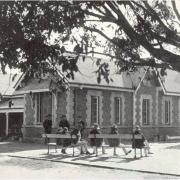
column 146, row 111
column 167, row 112
column 43, row 104
column 118, row 110
column 39, row 106
column 95, row 109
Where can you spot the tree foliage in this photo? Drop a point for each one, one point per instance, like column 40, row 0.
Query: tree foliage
column 142, row 33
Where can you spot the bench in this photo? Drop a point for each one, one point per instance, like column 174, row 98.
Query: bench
column 172, row 138
column 115, row 136
column 59, row 136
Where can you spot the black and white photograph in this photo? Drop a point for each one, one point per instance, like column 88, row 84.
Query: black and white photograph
column 89, row 90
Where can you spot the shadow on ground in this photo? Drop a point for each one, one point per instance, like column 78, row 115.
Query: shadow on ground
column 174, row 147
column 10, row 147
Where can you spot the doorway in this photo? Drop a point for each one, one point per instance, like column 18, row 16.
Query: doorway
column 2, row 124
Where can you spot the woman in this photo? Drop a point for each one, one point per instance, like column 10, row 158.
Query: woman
column 95, row 142
column 116, row 142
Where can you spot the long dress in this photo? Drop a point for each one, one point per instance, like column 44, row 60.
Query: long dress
column 93, row 141
column 113, row 142
column 138, row 143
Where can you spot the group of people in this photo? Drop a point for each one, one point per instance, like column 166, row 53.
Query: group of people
column 79, row 133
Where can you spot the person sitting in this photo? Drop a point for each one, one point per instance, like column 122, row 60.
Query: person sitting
column 139, row 143
column 78, row 140
column 116, row 142
column 82, row 129
column 64, row 122
column 95, row 142
column 65, row 142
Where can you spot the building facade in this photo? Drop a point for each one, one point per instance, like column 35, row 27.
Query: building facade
column 143, row 98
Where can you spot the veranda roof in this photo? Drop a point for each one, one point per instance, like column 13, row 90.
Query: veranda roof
column 18, row 105
column 34, row 85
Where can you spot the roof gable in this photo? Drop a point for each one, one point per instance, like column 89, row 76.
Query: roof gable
column 7, row 83
column 86, row 76
column 171, row 82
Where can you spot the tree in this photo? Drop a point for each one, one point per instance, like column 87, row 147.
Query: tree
column 137, row 28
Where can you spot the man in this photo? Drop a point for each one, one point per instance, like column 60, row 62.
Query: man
column 64, row 122
column 78, row 140
column 47, row 124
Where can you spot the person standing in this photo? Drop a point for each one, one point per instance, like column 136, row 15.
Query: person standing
column 47, row 124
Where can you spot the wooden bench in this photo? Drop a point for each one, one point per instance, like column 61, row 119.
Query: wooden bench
column 172, row 138
column 59, row 136
column 114, row 136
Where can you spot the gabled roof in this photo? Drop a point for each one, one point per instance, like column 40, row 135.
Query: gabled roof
column 87, row 75
column 171, row 82
column 7, row 83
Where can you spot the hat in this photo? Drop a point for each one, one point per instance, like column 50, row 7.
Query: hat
column 81, row 122
column 63, row 116
column 49, row 115
column 138, row 127
column 96, row 126
column 65, row 128
column 114, row 126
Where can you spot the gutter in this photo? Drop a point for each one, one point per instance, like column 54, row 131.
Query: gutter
column 101, row 87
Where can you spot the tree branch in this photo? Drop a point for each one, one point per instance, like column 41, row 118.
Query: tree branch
column 170, row 34
column 161, row 54
column 175, row 9
column 102, row 34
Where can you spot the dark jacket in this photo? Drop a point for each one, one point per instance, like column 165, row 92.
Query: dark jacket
column 114, row 142
column 77, row 134
column 93, row 141
column 64, row 123
column 138, row 143
column 63, row 142
column 47, row 124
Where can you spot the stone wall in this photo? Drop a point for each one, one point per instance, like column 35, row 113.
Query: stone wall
column 157, row 126
column 29, row 111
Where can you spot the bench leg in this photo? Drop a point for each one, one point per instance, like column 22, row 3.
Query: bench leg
column 103, row 149
column 115, row 151
column 135, row 153
column 96, row 151
column 56, row 149
column 73, row 151
column 141, row 152
column 145, row 151
column 48, row 149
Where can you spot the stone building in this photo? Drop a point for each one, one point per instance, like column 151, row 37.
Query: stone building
column 142, row 97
